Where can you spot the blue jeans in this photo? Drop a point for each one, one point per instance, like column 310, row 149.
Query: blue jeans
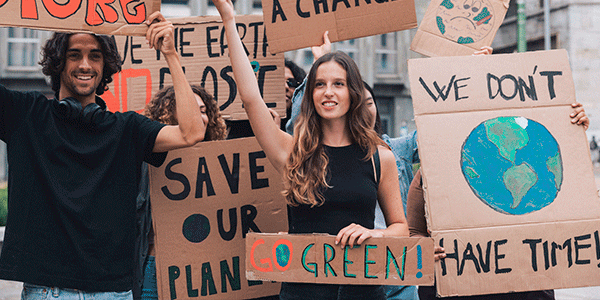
column 149, row 288
column 37, row 292
column 399, row 292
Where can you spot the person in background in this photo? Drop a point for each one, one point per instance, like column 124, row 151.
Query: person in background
column 75, row 169
column 329, row 165
column 417, row 224
column 294, row 75
column 594, row 151
column 298, row 92
column 162, row 108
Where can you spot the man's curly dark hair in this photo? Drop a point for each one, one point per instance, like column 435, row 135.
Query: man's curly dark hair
column 54, row 58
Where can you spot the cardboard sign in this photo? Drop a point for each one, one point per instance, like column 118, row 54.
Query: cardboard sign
column 202, row 47
column 296, row 24
column 314, row 258
column 205, row 199
column 510, row 190
column 104, row 17
column 456, row 28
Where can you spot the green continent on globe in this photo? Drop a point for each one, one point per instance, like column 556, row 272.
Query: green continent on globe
column 484, row 13
column 440, row 25
column 507, row 135
column 555, row 167
column 471, row 172
column 465, row 40
column 518, row 180
column 447, row 4
column 283, row 255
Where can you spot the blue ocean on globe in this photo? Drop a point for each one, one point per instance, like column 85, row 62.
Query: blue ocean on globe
column 512, row 164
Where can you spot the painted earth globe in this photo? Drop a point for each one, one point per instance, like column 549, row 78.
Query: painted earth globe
column 512, row 164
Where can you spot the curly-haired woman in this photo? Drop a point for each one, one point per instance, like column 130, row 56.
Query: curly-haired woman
column 162, row 109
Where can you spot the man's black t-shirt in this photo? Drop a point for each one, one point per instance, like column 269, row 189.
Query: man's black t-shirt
column 71, row 193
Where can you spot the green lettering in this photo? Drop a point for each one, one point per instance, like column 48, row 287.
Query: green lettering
column 369, row 262
column 234, row 279
column 188, row 277
column 208, row 282
column 174, row 273
column 348, row 262
column 391, row 258
column 305, row 265
column 327, row 259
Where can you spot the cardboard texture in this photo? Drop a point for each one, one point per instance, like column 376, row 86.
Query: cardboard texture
column 202, row 47
column 510, row 189
column 204, row 200
column 121, row 17
column 314, row 258
column 295, row 24
column 456, row 28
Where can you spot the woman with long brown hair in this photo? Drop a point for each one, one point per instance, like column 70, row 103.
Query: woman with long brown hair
column 329, row 166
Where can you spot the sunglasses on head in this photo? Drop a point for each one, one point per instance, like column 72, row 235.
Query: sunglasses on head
column 292, row 83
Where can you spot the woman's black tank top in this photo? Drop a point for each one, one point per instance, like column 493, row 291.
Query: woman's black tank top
column 350, row 199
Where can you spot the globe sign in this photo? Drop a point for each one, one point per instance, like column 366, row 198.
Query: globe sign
column 512, row 164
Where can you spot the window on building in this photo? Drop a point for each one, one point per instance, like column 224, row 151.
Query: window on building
column 308, row 58
column 386, row 54
column 23, row 48
column 349, row 47
column 385, row 106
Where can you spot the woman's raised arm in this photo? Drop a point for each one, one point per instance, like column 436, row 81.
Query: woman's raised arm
column 276, row 143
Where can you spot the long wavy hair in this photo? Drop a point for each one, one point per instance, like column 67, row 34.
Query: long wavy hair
column 54, row 57
column 305, row 174
column 162, row 109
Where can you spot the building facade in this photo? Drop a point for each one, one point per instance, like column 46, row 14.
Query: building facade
column 574, row 26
